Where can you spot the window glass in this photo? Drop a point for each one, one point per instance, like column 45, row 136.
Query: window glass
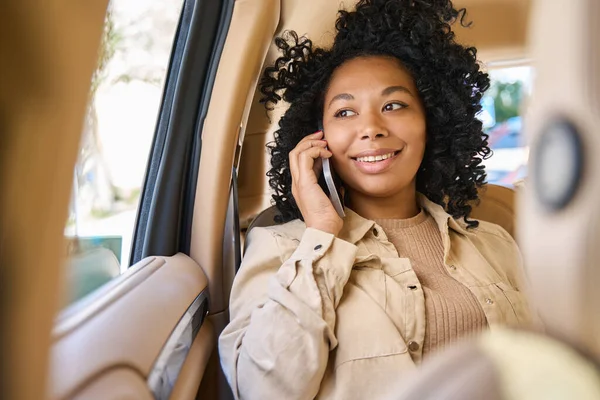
column 502, row 119
column 125, row 95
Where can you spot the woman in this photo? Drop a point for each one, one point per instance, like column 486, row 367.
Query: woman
column 342, row 308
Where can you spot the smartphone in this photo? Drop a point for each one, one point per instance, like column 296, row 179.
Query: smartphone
column 332, row 188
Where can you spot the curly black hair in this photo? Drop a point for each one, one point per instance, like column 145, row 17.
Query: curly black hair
column 447, row 76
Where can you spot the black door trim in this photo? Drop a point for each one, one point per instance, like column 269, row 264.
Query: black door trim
column 163, row 225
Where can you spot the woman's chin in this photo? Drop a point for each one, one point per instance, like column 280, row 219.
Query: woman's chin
column 382, row 189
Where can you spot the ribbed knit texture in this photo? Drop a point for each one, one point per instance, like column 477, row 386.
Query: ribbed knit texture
column 451, row 310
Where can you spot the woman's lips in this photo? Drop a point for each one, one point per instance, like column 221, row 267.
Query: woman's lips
column 376, row 152
column 377, row 166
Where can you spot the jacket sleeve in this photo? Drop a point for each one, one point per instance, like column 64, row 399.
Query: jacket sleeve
column 283, row 315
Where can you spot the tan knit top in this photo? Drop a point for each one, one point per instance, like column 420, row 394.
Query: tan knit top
column 451, row 310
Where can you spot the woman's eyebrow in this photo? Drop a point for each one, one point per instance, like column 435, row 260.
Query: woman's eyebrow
column 341, row 96
column 393, row 89
column 385, row 92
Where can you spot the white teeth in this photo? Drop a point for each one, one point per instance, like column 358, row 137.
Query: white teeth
column 372, row 159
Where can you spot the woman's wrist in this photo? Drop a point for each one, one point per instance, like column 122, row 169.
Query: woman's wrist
column 327, row 228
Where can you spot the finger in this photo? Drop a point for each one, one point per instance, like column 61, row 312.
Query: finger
column 306, row 160
column 312, row 153
column 312, row 136
column 318, row 166
column 301, row 147
column 293, row 161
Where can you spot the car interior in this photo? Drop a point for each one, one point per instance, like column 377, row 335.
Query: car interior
column 151, row 331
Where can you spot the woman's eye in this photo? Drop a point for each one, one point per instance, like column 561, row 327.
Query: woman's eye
column 393, row 106
column 344, row 113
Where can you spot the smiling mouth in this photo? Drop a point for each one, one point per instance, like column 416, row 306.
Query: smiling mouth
column 376, row 159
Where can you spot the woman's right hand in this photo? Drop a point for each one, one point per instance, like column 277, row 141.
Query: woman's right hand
column 305, row 166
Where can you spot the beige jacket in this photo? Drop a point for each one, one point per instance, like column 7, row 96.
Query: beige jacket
column 315, row 316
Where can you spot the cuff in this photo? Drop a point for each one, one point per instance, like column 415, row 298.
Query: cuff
column 332, row 260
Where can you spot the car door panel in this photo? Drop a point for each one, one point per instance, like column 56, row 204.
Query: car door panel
column 135, row 325
column 146, row 330
column 125, row 383
column 196, row 363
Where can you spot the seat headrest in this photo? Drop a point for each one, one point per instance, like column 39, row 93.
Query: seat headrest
column 264, row 218
column 496, row 205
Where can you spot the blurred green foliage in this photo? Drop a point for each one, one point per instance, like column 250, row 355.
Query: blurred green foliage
column 507, row 99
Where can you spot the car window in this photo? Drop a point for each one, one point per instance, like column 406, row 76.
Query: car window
column 118, row 131
column 502, row 119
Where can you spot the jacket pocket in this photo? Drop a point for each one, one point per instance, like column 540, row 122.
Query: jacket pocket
column 518, row 303
column 395, row 266
column 363, row 329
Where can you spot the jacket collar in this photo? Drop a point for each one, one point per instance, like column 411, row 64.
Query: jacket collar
column 356, row 227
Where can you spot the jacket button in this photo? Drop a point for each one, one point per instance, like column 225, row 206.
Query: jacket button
column 452, row 267
column 318, row 247
column 413, row 346
column 489, row 301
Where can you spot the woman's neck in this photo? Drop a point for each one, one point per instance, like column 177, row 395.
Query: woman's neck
column 402, row 205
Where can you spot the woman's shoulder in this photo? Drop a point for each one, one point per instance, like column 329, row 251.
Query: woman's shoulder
column 266, row 244
column 492, row 231
column 496, row 244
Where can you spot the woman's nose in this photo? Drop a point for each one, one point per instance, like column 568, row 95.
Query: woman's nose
column 373, row 128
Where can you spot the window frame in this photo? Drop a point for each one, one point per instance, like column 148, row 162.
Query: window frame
column 164, row 219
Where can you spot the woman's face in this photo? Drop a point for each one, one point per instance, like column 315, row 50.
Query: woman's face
column 374, row 124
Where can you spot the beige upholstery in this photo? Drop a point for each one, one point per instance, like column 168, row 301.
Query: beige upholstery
column 264, row 218
column 561, row 248
column 125, row 383
column 196, row 363
column 252, row 26
column 49, row 51
column 114, row 335
column 497, row 205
